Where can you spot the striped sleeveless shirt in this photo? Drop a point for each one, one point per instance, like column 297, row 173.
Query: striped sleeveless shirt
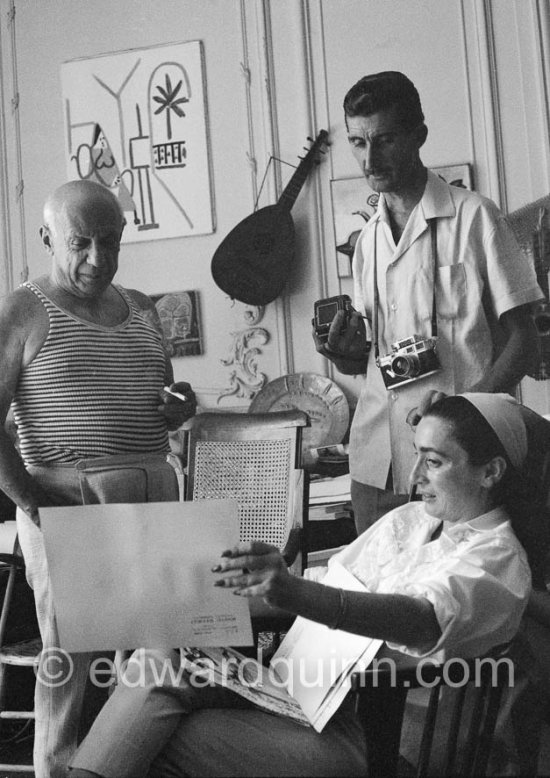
column 91, row 390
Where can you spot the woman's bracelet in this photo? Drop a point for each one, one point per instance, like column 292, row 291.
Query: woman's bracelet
column 342, row 608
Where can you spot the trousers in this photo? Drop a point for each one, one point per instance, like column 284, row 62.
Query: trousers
column 61, row 677
column 156, row 724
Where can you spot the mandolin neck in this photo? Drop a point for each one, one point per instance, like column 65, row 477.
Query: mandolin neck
column 292, row 189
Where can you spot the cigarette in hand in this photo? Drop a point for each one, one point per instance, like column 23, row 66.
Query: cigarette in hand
column 180, row 396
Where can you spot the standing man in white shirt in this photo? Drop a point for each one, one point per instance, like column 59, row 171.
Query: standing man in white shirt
column 437, row 265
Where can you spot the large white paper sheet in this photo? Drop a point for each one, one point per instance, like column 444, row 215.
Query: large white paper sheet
column 139, row 575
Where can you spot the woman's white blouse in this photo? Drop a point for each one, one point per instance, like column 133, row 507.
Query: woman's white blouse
column 475, row 574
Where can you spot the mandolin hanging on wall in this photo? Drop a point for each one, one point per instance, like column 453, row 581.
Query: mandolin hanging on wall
column 253, row 262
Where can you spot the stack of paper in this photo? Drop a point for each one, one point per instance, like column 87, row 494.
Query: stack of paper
column 334, row 454
column 337, row 510
column 330, row 490
column 329, row 498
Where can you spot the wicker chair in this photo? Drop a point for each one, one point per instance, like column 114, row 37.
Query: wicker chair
column 254, row 458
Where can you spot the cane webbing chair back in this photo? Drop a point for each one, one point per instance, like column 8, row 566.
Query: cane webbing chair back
column 256, row 460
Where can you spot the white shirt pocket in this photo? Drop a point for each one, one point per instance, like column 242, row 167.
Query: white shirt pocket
column 451, row 290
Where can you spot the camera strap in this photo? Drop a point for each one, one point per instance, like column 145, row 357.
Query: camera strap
column 433, row 232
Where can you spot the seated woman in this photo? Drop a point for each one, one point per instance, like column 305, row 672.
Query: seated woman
column 445, row 577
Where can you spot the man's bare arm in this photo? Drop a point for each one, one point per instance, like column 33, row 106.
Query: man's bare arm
column 518, row 354
column 24, row 327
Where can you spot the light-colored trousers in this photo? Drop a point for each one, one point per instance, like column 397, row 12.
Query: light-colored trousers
column 156, row 724
column 61, row 678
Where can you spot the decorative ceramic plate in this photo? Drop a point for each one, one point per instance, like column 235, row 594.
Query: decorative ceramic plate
column 318, row 396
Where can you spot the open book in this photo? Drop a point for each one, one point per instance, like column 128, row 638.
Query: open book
column 307, row 678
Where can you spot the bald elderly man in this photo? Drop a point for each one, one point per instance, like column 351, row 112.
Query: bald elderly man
column 83, row 367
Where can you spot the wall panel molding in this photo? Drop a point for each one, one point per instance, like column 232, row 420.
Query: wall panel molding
column 246, row 362
column 12, row 200
column 483, row 89
column 6, row 274
column 488, row 62
column 543, row 19
column 319, row 116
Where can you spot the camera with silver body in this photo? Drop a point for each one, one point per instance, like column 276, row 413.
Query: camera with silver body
column 324, row 312
column 410, row 359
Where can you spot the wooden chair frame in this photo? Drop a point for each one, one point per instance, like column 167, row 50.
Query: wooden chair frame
column 22, row 654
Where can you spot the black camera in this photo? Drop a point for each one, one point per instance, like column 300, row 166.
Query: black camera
column 410, row 359
column 324, row 312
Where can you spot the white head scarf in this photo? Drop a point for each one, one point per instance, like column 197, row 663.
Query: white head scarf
column 503, row 414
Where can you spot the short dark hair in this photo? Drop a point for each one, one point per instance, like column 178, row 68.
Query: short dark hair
column 380, row 91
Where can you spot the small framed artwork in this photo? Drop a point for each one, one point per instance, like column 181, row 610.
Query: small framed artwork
column 179, row 314
column 354, row 203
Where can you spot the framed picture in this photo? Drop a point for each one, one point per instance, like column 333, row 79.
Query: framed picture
column 353, row 204
column 179, row 314
column 457, row 175
column 135, row 121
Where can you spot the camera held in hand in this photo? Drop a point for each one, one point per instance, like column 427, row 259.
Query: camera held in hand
column 411, row 358
column 541, row 317
column 324, row 312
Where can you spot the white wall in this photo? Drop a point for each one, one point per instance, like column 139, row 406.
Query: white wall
column 479, row 66
column 51, row 33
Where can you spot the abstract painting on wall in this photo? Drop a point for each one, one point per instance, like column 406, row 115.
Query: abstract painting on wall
column 179, row 314
column 136, row 122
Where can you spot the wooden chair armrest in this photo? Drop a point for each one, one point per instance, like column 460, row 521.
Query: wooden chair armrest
column 293, row 546
column 538, row 607
column 393, row 669
column 380, row 697
column 12, row 559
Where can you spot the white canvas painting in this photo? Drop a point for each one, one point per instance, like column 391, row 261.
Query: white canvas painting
column 136, row 122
